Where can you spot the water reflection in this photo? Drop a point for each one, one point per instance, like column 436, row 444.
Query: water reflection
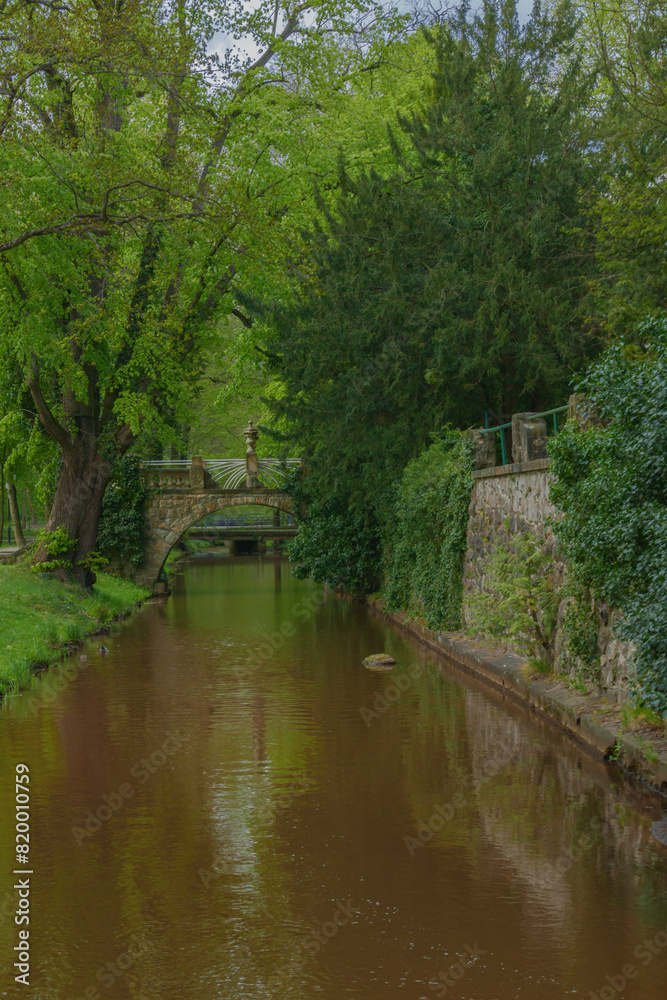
column 300, row 827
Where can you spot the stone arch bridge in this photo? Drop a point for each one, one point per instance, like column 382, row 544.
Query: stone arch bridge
column 184, row 492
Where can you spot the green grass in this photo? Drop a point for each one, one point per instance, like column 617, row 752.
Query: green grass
column 40, row 616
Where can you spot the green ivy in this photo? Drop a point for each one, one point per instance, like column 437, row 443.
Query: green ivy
column 579, row 632
column 611, row 485
column 425, row 534
column 121, row 534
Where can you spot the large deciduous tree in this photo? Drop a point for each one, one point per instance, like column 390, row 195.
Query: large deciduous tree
column 142, row 175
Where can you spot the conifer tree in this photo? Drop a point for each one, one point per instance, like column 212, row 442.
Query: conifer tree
column 460, row 283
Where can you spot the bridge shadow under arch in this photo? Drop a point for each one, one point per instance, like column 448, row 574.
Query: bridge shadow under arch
column 172, row 512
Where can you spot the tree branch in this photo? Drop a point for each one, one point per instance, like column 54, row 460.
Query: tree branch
column 242, row 91
column 244, row 319
column 124, row 438
column 54, row 429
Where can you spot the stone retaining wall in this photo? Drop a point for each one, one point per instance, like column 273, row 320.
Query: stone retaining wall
column 512, row 499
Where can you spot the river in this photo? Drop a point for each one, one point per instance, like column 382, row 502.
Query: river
column 228, row 806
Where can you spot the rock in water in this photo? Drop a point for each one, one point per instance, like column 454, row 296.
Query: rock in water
column 659, row 830
column 379, row 661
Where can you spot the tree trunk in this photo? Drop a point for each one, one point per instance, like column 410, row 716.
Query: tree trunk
column 16, row 516
column 28, row 501
column 77, row 506
column 84, row 473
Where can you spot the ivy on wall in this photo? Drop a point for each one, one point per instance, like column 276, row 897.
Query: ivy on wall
column 611, row 485
column 122, row 531
column 425, row 534
column 413, row 539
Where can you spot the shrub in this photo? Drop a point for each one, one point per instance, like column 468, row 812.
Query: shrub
column 520, row 601
column 57, row 545
column 336, row 545
column 611, row 485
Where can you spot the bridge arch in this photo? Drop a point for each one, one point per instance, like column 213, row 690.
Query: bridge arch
column 171, row 512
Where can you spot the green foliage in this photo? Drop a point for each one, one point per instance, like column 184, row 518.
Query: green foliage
column 629, row 42
column 335, row 545
column 142, row 177
column 425, row 534
column 57, row 547
column 94, row 562
column 40, row 616
column 579, row 632
column 611, row 485
column 414, row 535
column 520, row 600
column 122, row 531
column 507, row 152
column 460, row 282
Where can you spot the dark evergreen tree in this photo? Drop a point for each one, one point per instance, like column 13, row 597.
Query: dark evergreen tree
column 460, row 283
column 506, row 150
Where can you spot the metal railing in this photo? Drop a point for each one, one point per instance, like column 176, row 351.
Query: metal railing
column 252, row 518
column 501, row 428
column 230, row 473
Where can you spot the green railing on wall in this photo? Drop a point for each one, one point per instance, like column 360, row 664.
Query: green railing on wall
column 501, row 428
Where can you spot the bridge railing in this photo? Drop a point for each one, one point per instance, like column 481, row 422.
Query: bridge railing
column 227, row 473
column 254, row 518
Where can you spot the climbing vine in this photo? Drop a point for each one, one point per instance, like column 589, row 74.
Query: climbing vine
column 579, row 653
column 611, row 485
column 122, row 531
column 425, row 534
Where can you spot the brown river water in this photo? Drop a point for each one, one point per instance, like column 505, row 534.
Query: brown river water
column 228, row 806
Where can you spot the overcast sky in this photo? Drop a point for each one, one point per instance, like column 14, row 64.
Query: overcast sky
column 525, row 7
column 220, row 42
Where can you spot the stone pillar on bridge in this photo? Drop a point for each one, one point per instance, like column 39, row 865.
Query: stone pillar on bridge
column 251, row 462
column 197, row 474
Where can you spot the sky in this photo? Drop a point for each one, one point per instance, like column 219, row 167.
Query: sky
column 221, row 42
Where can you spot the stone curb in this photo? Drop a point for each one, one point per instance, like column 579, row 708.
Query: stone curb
column 571, row 712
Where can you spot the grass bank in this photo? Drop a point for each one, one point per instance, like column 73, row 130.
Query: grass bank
column 39, row 617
